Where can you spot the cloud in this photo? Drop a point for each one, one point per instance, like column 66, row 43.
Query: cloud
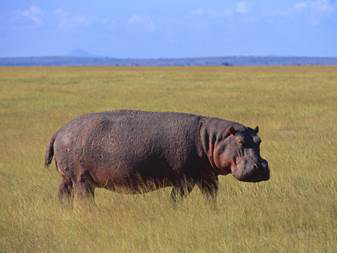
column 322, row 7
column 242, row 7
column 67, row 19
column 58, row 17
column 201, row 12
column 204, row 12
column 34, row 13
column 145, row 21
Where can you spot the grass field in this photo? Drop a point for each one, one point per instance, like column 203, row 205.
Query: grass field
column 295, row 108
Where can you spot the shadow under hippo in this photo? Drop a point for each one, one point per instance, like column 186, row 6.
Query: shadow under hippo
column 135, row 152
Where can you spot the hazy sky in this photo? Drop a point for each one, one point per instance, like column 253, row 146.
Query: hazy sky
column 168, row 28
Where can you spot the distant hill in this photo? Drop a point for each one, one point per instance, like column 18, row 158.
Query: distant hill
column 84, row 60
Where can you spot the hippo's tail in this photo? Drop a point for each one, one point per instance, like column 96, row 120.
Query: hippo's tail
column 49, row 152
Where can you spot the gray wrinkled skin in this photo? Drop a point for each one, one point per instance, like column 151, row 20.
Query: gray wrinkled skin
column 135, row 151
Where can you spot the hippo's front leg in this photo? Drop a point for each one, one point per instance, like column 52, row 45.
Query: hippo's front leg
column 181, row 191
column 209, row 188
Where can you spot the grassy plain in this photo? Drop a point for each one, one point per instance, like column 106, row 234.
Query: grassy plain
column 295, row 108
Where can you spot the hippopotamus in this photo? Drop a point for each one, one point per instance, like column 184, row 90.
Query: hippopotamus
column 135, row 152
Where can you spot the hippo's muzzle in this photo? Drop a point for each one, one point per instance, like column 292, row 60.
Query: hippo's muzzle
column 250, row 171
column 262, row 171
column 265, row 168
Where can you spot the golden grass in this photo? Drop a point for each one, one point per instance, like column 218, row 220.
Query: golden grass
column 296, row 211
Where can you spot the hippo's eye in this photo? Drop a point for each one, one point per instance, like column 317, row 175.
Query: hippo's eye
column 257, row 140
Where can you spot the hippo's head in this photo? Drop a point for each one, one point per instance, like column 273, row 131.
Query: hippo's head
column 239, row 153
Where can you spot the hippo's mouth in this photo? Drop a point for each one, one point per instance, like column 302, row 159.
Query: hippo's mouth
column 254, row 178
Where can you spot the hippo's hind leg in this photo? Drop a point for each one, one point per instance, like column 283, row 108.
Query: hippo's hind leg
column 65, row 192
column 85, row 189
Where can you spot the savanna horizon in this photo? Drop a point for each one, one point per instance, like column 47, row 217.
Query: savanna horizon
column 295, row 211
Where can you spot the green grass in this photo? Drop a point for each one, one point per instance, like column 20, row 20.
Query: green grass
column 295, row 108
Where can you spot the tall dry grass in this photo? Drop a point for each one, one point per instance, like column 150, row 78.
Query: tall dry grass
column 295, row 211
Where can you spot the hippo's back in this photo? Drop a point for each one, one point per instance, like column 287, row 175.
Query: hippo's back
column 128, row 138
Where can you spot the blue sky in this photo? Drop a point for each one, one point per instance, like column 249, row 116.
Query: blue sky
column 169, row 28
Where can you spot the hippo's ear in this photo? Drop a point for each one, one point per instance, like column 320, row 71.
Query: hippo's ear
column 256, row 129
column 230, row 131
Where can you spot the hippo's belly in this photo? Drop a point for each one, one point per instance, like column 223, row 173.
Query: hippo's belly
column 131, row 174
